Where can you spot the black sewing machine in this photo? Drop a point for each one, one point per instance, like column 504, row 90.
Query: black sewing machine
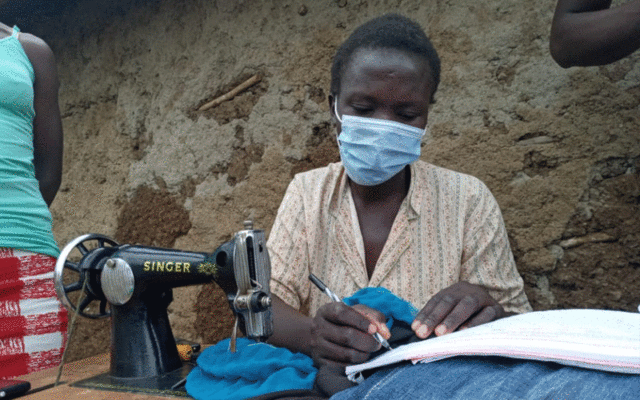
column 136, row 281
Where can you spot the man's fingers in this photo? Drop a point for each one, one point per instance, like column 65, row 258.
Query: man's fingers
column 343, row 315
column 424, row 324
column 328, row 329
column 460, row 305
column 467, row 306
column 334, row 353
column 353, row 339
column 487, row 314
column 426, row 310
column 381, row 328
column 377, row 319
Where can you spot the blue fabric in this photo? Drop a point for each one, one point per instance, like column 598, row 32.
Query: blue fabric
column 482, row 378
column 254, row 369
column 259, row 368
column 392, row 306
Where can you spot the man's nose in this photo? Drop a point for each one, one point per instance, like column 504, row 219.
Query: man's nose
column 387, row 114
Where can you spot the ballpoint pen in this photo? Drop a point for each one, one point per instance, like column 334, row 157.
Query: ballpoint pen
column 335, row 297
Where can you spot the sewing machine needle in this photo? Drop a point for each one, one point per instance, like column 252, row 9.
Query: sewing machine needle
column 234, row 336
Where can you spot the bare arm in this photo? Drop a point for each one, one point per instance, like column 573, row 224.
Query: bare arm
column 338, row 335
column 588, row 32
column 47, row 125
column 291, row 329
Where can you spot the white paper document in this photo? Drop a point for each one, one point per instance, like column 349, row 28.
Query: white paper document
column 594, row 339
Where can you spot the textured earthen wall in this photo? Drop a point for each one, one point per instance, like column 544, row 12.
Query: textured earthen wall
column 558, row 148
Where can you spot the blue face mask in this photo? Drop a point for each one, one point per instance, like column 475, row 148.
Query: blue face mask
column 374, row 150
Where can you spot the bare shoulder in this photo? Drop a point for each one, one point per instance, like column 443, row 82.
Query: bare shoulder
column 41, row 58
column 5, row 31
column 36, row 48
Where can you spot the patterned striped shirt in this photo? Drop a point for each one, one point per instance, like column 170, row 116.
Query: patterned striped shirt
column 449, row 229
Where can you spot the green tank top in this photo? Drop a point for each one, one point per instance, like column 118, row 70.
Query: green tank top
column 25, row 220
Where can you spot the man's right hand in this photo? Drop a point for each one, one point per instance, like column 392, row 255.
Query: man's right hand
column 342, row 335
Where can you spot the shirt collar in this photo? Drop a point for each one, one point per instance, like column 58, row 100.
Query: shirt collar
column 341, row 190
column 414, row 197
column 413, row 201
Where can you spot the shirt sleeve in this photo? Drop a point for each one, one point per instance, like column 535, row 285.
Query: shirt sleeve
column 487, row 259
column 288, row 248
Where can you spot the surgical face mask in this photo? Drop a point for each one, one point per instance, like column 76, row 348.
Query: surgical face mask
column 374, row 150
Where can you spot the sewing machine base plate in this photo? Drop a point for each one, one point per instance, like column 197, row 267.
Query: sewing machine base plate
column 158, row 385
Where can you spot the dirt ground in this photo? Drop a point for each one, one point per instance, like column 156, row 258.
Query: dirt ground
column 558, row 148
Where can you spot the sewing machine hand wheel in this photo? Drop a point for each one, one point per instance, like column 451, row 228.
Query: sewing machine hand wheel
column 66, row 267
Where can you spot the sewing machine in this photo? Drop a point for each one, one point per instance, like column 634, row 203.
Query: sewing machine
column 132, row 285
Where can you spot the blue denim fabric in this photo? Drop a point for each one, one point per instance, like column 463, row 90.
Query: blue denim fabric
column 493, row 378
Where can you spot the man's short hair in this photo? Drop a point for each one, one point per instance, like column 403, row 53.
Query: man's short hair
column 390, row 31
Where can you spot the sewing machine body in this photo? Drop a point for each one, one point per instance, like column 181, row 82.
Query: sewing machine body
column 137, row 283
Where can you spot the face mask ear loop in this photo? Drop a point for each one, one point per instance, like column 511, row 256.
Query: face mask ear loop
column 335, row 109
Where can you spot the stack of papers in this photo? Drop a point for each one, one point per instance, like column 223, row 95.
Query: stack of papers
column 594, row 339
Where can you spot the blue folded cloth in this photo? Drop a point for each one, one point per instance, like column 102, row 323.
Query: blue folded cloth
column 254, row 369
column 381, row 299
column 259, row 368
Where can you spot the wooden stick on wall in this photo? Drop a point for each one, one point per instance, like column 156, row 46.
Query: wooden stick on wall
column 232, row 93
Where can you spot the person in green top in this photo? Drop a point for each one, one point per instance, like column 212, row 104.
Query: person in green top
column 32, row 321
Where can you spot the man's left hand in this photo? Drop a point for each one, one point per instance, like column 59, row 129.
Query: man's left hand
column 459, row 306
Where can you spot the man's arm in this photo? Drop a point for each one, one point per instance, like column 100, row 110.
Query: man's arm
column 47, row 125
column 291, row 329
column 588, row 32
column 338, row 335
column 489, row 286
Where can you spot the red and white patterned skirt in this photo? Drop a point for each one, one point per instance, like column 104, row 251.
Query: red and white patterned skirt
column 33, row 323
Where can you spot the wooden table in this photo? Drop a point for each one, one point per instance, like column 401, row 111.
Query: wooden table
column 42, row 383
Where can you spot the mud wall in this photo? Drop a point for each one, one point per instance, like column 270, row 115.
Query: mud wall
column 558, row 148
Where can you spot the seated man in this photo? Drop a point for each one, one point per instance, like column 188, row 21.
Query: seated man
column 381, row 217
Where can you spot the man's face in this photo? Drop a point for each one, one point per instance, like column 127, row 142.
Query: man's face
column 385, row 84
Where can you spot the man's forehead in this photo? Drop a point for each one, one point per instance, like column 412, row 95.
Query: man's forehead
column 387, row 61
